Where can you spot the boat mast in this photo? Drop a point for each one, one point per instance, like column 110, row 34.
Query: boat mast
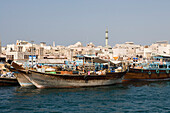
column 83, row 63
column 32, row 52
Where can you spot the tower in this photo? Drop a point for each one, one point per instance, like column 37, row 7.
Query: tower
column 106, row 37
column 53, row 44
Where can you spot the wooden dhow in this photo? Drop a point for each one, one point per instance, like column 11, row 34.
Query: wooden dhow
column 44, row 80
column 21, row 77
column 7, row 78
column 5, row 81
column 153, row 72
column 48, row 80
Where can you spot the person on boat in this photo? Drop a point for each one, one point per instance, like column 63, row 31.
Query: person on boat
column 133, row 65
column 77, row 68
column 64, row 67
column 97, row 68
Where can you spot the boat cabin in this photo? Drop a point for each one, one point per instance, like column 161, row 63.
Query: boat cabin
column 159, row 65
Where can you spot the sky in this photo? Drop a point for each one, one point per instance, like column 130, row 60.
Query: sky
column 69, row 21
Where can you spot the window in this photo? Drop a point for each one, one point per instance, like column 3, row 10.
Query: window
column 161, row 66
column 154, row 65
column 26, row 56
column 165, row 66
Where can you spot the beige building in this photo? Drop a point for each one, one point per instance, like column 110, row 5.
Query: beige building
column 128, row 50
column 23, row 49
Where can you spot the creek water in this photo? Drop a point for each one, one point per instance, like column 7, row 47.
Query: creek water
column 126, row 97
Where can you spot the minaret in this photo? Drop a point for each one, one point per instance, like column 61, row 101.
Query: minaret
column 106, row 37
column 53, row 44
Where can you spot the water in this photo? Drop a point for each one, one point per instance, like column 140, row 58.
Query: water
column 130, row 97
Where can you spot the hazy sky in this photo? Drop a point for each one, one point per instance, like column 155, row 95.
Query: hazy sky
column 69, row 21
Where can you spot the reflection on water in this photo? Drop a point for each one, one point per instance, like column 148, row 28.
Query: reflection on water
column 146, row 83
column 125, row 97
column 28, row 91
column 120, row 88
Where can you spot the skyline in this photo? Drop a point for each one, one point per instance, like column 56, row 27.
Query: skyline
column 67, row 22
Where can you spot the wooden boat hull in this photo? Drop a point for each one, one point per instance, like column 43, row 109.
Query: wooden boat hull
column 42, row 80
column 23, row 81
column 4, row 81
column 147, row 75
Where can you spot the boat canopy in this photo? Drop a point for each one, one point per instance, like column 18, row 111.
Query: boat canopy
column 116, row 62
column 96, row 59
column 163, row 55
column 51, row 61
column 91, row 56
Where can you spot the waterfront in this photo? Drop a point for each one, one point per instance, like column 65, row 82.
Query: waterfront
column 130, row 97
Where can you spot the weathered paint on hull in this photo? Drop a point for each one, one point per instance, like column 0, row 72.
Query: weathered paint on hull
column 23, row 81
column 147, row 75
column 57, row 81
column 8, row 81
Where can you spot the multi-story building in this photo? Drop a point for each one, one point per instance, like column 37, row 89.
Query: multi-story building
column 23, row 49
column 160, row 47
column 128, row 50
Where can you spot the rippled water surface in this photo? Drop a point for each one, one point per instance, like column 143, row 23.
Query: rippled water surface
column 129, row 97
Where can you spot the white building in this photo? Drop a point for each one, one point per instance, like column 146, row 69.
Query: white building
column 128, row 50
column 160, row 47
column 21, row 50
